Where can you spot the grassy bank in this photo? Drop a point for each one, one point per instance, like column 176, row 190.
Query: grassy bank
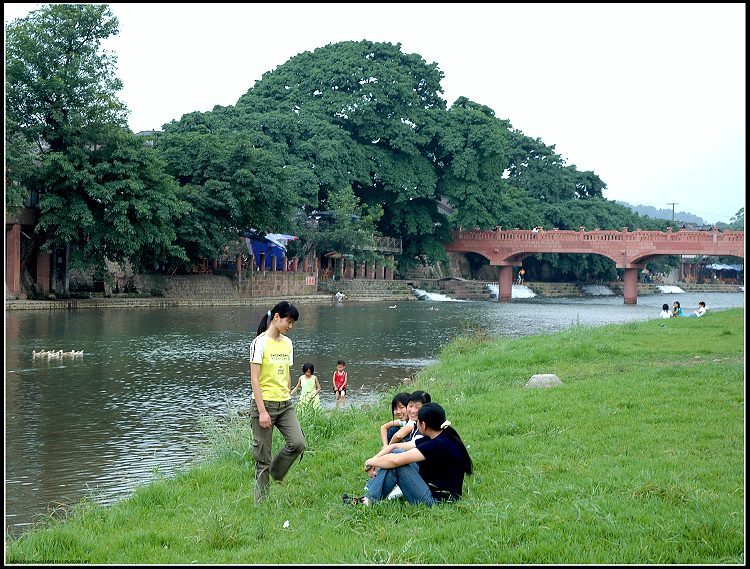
column 637, row 458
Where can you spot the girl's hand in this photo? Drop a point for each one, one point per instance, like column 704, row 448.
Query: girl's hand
column 372, row 471
column 265, row 420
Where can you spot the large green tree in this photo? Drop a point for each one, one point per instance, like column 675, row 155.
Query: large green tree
column 102, row 191
column 366, row 116
column 361, row 115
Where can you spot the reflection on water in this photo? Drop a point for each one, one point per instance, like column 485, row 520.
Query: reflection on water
column 106, row 422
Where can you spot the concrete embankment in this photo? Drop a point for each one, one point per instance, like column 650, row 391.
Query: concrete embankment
column 155, row 302
column 358, row 290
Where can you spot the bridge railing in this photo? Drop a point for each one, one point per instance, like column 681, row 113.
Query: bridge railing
column 684, row 236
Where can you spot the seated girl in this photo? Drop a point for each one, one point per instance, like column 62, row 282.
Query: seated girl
column 398, row 410
column 409, row 431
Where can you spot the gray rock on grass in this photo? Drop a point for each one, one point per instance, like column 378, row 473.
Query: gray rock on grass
column 544, row 380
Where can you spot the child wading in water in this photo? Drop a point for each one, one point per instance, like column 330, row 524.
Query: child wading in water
column 339, row 382
column 308, row 397
column 271, row 356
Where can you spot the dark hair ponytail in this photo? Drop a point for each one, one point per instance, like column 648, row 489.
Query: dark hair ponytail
column 433, row 415
column 283, row 309
column 420, row 396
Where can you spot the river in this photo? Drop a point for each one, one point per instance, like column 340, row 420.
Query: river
column 103, row 423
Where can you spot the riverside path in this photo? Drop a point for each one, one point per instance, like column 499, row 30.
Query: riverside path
column 630, row 250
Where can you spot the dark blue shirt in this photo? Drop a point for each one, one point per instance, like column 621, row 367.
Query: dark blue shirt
column 443, row 466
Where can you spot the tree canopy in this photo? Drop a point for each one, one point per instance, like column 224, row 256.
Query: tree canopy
column 366, row 116
column 101, row 190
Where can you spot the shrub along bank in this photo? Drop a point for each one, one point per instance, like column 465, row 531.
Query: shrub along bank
column 637, row 458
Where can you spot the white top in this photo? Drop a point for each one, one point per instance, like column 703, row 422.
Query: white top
column 665, row 314
column 701, row 311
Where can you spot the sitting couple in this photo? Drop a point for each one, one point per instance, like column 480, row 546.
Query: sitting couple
column 429, row 469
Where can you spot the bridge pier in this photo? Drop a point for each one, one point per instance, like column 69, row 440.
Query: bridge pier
column 505, row 284
column 630, row 290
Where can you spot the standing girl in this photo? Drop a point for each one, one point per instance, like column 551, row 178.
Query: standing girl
column 309, row 396
column 339, row 382
column 271, row 356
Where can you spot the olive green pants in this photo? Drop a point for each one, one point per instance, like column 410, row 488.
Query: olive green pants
column 285, row 420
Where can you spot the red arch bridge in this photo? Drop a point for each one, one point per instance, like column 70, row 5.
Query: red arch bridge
column 630, row 250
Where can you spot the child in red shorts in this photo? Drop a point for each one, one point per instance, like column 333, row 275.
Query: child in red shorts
column 339, row 382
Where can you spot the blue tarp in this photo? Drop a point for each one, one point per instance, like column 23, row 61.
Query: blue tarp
column 271, row 244
column 258, row 247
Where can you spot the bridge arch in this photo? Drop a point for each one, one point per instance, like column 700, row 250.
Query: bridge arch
column 630, row 250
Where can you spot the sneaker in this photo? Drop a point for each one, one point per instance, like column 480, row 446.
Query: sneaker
column 395, row 493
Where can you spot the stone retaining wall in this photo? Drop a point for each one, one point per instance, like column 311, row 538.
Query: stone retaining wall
column 268, row 284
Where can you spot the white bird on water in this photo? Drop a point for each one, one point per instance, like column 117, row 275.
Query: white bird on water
column 394, row 306
column 49, row 354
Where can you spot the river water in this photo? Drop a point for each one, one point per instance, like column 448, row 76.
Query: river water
column 102, row 424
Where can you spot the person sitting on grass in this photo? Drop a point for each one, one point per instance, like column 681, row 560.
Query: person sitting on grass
column 676, row 308
column 701, row 309
column 398, row 410
column 665, row 312
column 429, row 470
column 410, row 431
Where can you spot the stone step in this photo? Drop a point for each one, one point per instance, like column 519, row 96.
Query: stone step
column 369, row 289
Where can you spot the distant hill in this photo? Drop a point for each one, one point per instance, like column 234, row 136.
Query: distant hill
column 655, row 213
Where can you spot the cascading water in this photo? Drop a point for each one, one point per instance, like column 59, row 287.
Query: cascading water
column 519, row 291
column 434, row 296
column 670, row 289
column 597, row 290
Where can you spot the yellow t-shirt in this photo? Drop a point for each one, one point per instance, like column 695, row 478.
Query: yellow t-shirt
column 275, row 358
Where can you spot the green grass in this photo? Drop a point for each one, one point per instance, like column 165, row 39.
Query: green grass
column 637, row 458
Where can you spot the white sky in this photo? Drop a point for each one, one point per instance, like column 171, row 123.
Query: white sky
column 651, row 97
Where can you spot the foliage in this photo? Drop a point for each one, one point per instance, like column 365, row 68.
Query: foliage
column 540, row 171
column 19, row 164
column 347, row 226
column 102, row 191
column 111, row 202
column 737, row 222
column 470, row 154
column 60, row 89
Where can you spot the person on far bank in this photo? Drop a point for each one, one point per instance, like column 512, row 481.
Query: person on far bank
column 701, row 310
column 521, row 274
column 429, row 470
column 271, row 357
column 676, row 308
column 665, row 312
column 339, row 382
column 339, row 296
